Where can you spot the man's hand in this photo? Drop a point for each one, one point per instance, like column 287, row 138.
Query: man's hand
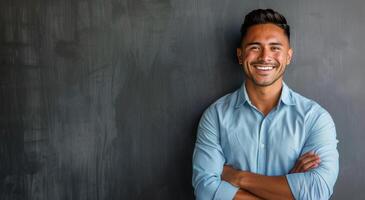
column 234, row 176
column 231, row 175
column 306, row 162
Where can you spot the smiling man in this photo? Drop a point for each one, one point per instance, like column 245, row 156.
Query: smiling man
column 265, row 141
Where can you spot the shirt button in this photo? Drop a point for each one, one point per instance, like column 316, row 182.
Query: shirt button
column 262, row 145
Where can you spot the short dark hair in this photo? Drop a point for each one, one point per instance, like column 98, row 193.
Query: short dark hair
column 264, row 16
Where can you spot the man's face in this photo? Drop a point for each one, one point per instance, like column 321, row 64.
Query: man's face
column 264, row 54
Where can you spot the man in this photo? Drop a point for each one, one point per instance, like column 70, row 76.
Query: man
column 264, row 141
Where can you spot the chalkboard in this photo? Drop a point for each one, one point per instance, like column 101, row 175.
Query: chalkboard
column 100, row 99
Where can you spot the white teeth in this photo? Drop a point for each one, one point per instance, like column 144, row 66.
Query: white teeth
column 264, row 68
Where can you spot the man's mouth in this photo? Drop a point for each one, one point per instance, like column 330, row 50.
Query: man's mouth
column 264, row 68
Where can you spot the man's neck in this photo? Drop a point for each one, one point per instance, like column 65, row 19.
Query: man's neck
column 264, row 98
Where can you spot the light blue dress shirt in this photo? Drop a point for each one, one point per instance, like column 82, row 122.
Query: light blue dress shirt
column 232, row 131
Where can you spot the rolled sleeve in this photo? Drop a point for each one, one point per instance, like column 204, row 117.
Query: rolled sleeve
column 208, row 161
column 318, row 183
column 225, row 191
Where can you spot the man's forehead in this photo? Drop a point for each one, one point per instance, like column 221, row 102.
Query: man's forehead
column 265, row 34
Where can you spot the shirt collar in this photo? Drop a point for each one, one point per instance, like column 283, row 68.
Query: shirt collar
column 285, row 97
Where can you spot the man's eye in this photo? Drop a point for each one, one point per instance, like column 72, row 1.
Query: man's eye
column 254, row 48
column 276, row 48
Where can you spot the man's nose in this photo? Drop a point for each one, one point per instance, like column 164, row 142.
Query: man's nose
column 265, row 55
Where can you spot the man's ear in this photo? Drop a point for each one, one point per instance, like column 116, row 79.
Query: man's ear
column 290, row 55
column 239, row 55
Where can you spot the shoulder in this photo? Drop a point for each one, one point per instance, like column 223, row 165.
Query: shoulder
column 312, row 111
column 224, row 104
column 306, row 104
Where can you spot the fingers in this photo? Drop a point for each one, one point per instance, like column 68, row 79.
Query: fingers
column 306, row 155
column 231, row 175
column 306, row 162
column 298, row 162
column 227, row 168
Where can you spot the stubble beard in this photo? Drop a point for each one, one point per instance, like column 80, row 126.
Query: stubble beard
column 265, row 84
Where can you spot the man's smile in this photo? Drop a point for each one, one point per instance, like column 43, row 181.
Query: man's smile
column 263, row 69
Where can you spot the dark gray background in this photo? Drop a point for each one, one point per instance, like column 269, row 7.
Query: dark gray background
column 100, row 99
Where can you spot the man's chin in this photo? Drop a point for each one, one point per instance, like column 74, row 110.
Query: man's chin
column 262, row 82
column 266, row 83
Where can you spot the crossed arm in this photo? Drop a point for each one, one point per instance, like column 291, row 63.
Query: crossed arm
column 254, row 186
column 213, row 180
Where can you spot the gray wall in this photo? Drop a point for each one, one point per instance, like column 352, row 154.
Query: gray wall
column 100, row 99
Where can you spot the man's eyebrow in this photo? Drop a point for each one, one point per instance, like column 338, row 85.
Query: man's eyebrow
column 276, row 43
column 253, row 43
column 258, row 43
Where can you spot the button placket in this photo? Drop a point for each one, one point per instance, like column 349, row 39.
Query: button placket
column 261, row 146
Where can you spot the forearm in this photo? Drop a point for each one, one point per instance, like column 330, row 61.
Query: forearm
column 266, row 187
column 245, row 195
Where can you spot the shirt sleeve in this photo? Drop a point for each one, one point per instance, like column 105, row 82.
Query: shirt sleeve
column 208, row 161
column 318, row 183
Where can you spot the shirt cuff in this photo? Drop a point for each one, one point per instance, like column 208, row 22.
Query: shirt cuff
column 226, row 191
column 294, row 181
